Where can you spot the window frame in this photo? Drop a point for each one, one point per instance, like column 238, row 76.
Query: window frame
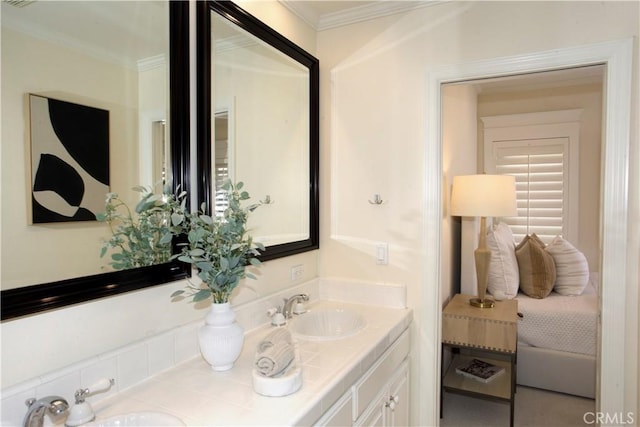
column 541, row 127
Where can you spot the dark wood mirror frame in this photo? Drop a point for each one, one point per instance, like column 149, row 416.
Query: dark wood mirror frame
column 254, row 26
column 30, row 300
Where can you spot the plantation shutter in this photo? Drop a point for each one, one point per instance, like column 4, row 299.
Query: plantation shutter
column 541, row 171
column 221, row 174
column 221, row 158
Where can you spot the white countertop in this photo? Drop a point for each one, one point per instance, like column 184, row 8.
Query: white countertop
column 200, row 396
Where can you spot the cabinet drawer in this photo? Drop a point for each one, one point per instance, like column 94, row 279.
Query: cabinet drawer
column 366, row 389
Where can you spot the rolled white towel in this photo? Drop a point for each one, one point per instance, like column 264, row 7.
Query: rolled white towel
column 276, row 336
column 275, row 359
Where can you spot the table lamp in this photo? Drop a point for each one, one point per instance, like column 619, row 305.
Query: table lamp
column 483, row 196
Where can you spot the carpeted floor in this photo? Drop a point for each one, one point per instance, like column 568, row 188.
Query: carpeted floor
column 533, row 408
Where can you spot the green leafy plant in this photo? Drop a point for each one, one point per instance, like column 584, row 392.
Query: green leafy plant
column 219, row 247
column 142, row 237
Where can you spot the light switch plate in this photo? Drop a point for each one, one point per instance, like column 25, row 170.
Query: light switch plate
column 382, row 253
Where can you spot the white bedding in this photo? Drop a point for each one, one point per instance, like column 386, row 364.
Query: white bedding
column 558, row 322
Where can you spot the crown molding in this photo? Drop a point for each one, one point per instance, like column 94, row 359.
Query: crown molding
column 303, row 11
column 146, row 64
column 370, row 10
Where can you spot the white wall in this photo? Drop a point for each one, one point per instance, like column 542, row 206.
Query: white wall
column 373, row 119
column 47, row 342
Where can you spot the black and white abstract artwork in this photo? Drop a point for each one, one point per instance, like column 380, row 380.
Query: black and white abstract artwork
column 69, row 160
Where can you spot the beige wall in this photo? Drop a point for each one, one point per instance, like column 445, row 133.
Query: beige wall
column 268, row 152
column 459, row 151
column 30, row 65
column 589, row 99
column 153, row 86
column 373, row 116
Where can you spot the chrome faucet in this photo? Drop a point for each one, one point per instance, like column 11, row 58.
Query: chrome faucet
column 288, row 303
column 55, row 405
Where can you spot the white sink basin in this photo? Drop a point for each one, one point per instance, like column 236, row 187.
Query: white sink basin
column 140, row 419
column 327, row 324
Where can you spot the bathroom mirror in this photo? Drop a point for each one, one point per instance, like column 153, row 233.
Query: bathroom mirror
column 258, row 124
column 131, row 38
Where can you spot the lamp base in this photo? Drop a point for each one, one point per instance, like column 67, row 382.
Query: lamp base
column 482, row 303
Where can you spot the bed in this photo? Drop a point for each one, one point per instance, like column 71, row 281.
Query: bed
column 557, row 342
column 557, row 333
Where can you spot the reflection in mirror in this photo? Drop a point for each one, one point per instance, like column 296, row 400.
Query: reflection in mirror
column 222, row 158
column 264, row 95
column 160, row 152
column 124, row 57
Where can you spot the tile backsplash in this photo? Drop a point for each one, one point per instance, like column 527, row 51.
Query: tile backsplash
column 132, row 364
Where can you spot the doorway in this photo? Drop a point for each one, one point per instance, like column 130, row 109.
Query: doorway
column 613, row 394
column 543, row 115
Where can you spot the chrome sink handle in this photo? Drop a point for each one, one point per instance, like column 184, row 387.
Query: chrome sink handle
column 288, row 303
column 82, row 412
column 102, row 385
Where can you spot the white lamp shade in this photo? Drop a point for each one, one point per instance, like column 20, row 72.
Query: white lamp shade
column 483, row 195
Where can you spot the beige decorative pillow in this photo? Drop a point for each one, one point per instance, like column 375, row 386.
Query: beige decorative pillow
column 536, row 266
column 572, row 268
column 503, row 268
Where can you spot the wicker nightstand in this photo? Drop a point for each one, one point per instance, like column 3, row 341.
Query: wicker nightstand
column 489, row 334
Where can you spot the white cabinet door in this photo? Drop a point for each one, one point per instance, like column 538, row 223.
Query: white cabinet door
column 397, row 403
column 375, row 416
column 391, row 407
column 380, row 397
column 367, row 389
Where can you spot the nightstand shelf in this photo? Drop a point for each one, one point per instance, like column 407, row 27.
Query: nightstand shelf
column 488, row 334
column 499, row 388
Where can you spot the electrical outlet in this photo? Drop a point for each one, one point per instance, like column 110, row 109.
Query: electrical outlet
column 297, row 271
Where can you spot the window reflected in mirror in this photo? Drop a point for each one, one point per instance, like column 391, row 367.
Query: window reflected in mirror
column 222, row 156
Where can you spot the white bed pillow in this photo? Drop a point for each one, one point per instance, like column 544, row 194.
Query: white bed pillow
column 572, row 269
column 504, row 276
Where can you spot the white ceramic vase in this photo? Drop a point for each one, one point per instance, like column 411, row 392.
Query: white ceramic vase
column 221, row 338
